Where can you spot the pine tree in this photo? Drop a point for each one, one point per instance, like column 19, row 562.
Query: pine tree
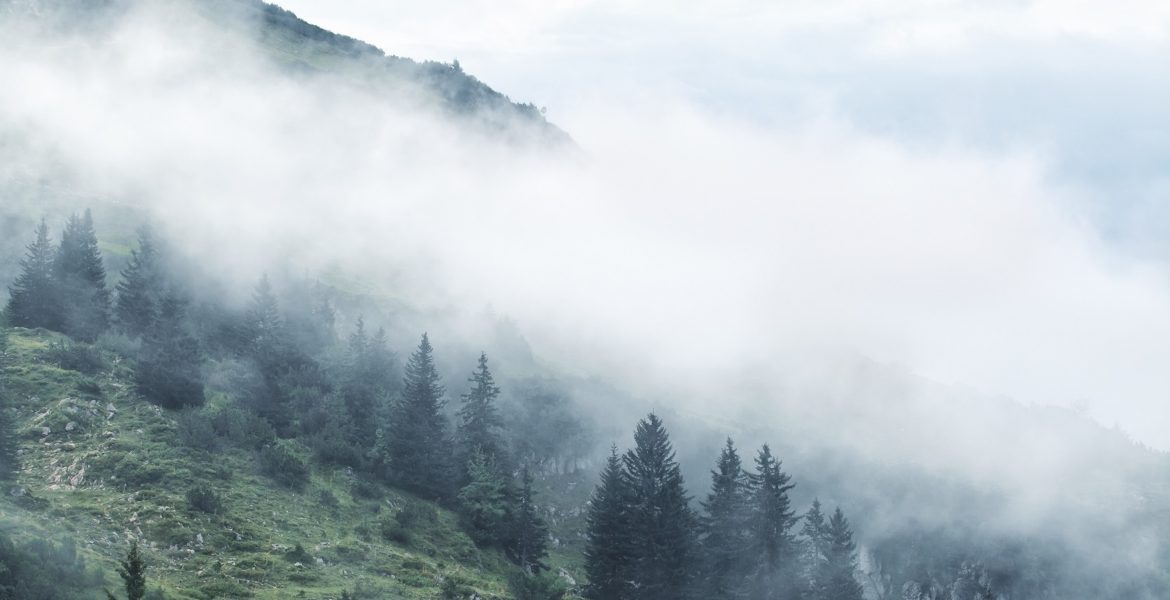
column 169, row 371
column 8, row 465
column 479, row 421
column 34, row 298
column 368, row 381
column 816, row 551
column 840, row 565
column 608, row 550
column 726, row 527
column 776, row 569
column 417, row 447
column 82, row 279
column 263, row 326
column 528, row 545
column 133, row 574
column 140, row 289
column 483, row 501
column 661, row 521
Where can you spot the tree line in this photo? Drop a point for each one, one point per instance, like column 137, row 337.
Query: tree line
column 646, row 542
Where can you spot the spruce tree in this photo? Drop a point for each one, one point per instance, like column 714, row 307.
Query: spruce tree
column 417, row 447
column 479, row 421
column 169, row 371
column 133, row 574
column 661, row 521
column 81, row 277
column 140, row 289
column 840, row 578
column 368, row 380
column 775, row 574
column 725, row 528
column 528, row 545
column 608, row 551
column 815, row 532
column 8, row 465
column 263, row 327
column 483, row 501
column 34, row 299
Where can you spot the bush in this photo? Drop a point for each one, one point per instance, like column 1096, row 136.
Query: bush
column 544, row 586
column 204, row 499
column 364, row 488
column 195, row 430
column 242, row 428
column 415, row 512
column 284, row 464
column 393, row 531
column 328, row 500
column 298, row 555
column 75, row 357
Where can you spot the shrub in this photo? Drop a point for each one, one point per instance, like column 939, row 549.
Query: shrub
column 415, row 512
column 544, row 586
column 204, row 499
column 284, row 464
column 328, row 500
column 242, row 428
column 195, row 430
column 393, row 531
column 298, row 555
column 364, row 488
column 75, row 357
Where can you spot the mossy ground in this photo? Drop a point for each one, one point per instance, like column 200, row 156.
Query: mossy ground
column 103, row 467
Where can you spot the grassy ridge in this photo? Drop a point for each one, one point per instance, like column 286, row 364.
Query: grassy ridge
column 102, row 466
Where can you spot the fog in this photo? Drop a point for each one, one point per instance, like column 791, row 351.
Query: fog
column 717, row 264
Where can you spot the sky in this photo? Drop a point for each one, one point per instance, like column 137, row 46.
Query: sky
column 975, row 190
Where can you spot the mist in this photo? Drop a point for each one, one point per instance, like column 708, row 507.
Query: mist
column 805, row 278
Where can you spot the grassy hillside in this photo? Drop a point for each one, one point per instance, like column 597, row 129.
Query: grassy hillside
column 105, row 467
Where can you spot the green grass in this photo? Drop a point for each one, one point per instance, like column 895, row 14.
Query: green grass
column 110, row 469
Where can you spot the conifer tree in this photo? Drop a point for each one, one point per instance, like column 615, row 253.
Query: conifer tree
column 81, row 277
column 815, row 532
column 140, row 289
column 841, row 561
column 725, row 528
column 34, row 298
column 608, row 549
column 263, row 326
column 528, row 545
column 169, row 372
column 479, row 421
column 368, row 381
column 661, row 521
column 483, row 501
column 8, row 465
column 417, row 447
column 133, row 574
column 776, row 570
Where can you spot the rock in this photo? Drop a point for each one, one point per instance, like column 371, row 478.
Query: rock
column 110, row 408
column 69, row 446
column 568, row 578
column 298, row 565
column 45, row 431
column 70, row 426
column 199, row 539
column 320, row 561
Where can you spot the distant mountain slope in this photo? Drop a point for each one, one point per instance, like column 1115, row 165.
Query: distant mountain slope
column 301, row 47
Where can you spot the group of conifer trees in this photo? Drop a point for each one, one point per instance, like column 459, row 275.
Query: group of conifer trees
column 645, row 542
column 345, row 404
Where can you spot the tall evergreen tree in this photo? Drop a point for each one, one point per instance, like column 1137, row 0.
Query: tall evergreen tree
column 815, row 532
column 81, row 276
column 8, row 464
column 725, row 528
column 34, row 299
column 368, row 380
column 661, row 521
column 141, row 287
column 479, row 421
column 528, row 545
column 608, row 551
column 483, row 502
column 169, row 372
column 133, row 574
column 840, row 578
column 263, row 327
column 417, row 447
column 776, row 574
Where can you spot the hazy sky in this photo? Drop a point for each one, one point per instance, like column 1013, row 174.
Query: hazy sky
column 979, row 190
column 974, row 191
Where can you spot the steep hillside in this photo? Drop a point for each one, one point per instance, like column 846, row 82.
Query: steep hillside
column 102, row 466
